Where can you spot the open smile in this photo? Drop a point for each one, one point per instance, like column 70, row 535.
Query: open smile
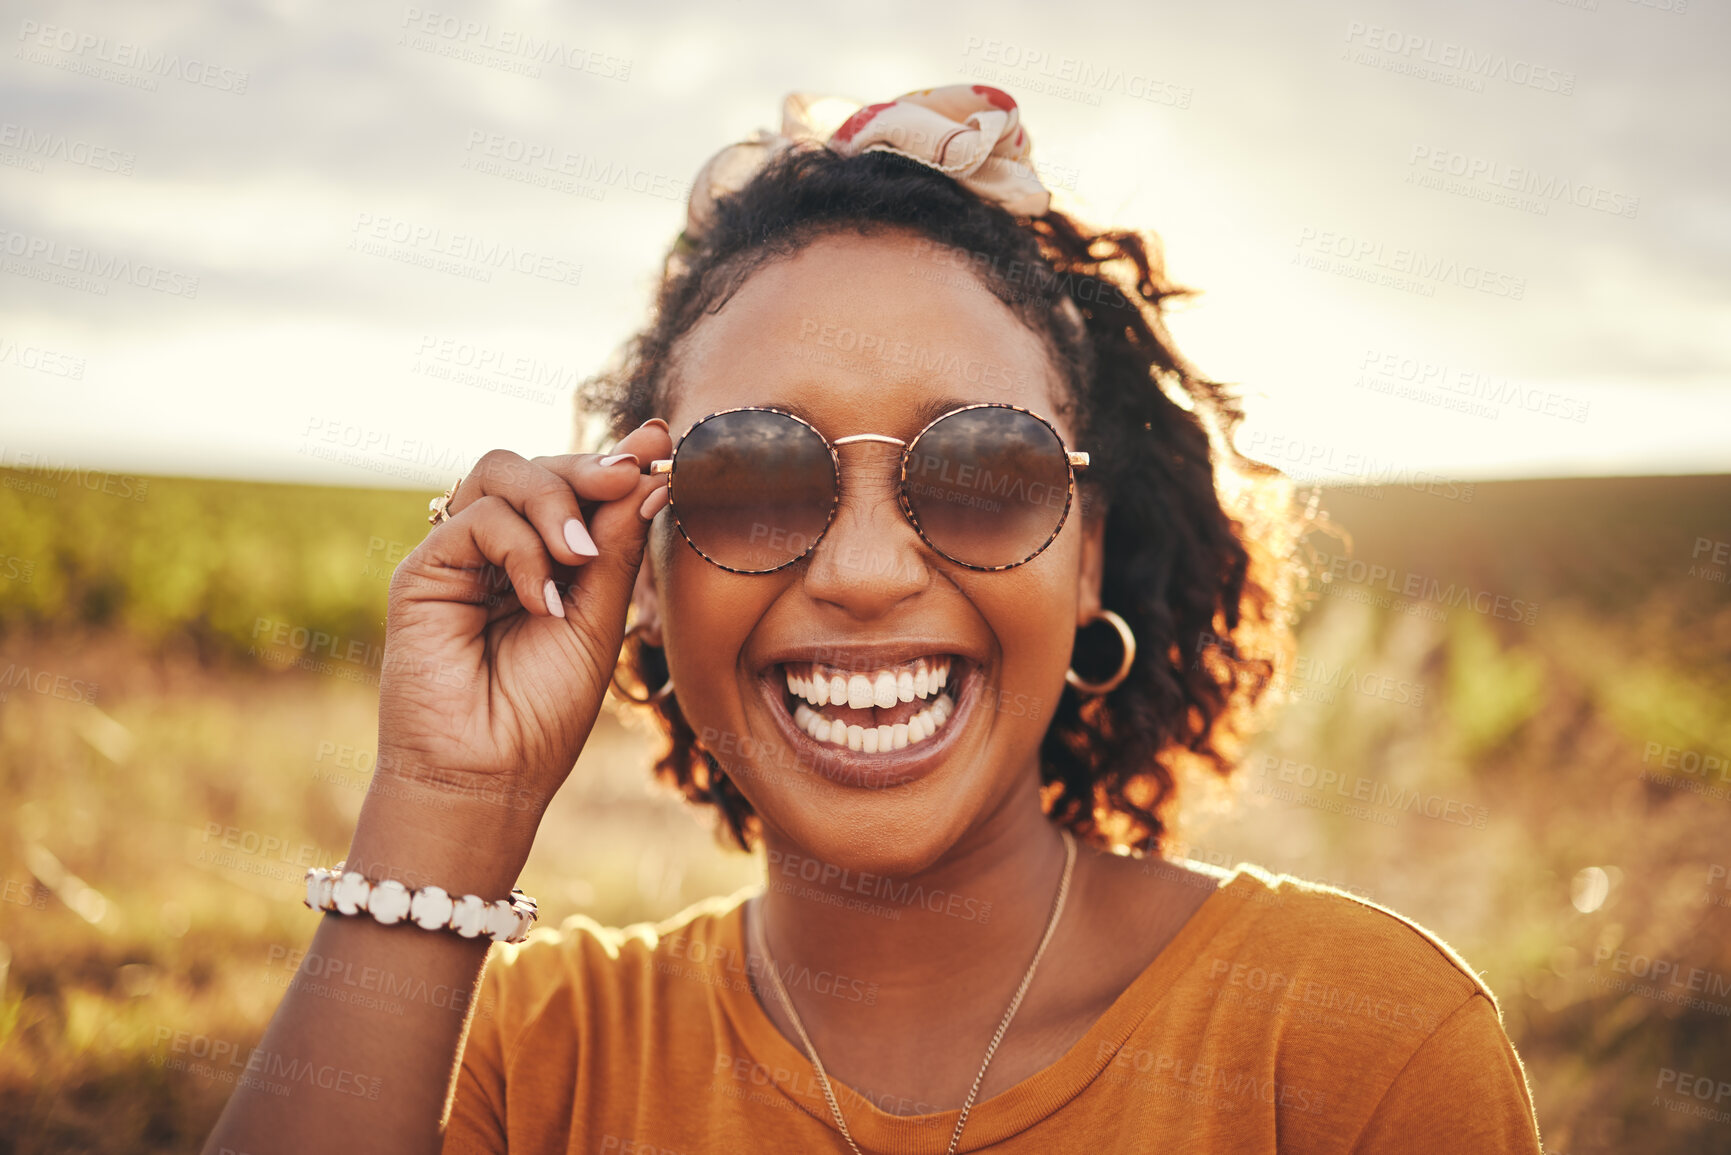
column 872, row 724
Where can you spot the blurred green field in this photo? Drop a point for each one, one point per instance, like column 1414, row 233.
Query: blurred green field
column 176, row 748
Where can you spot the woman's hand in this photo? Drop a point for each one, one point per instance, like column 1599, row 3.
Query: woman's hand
column 489, row 689
column 505, row 623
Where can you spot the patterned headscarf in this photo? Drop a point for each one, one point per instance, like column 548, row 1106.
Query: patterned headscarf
column 969, row 132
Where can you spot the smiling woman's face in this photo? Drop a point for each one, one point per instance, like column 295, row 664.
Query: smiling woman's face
column 872, row 599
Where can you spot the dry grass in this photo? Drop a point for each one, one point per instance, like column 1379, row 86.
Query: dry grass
column 130, row 932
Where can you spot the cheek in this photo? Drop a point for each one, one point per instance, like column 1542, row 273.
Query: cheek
column 706, row 616
column 1031, row 613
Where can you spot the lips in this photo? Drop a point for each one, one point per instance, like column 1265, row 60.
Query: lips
column 872, row 719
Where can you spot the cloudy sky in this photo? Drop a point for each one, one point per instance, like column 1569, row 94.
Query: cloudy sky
column 1485, row 239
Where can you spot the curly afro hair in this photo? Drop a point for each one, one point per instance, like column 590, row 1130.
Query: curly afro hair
column 1201, row 544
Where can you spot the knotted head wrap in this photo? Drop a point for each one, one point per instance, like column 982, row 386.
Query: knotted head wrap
column 970, row 132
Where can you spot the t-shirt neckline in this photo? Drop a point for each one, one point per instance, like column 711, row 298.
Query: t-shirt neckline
column 1010, row 1111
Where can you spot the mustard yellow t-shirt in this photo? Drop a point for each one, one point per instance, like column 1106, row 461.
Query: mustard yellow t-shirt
column 1283, row 1017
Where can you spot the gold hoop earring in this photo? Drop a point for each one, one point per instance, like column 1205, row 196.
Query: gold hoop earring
column 624, row 692
column 1126, row 639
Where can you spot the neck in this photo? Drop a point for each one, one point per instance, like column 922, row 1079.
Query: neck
column 915, row 943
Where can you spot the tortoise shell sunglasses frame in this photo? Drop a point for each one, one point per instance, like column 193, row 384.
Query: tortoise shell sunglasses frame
column 1074, row 460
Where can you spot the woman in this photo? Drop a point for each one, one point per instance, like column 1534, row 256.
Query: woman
column 934, row 444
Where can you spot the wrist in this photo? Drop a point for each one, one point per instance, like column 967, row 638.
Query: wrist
column 420, row 836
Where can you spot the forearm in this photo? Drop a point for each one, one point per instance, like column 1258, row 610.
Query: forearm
column 375, row 1074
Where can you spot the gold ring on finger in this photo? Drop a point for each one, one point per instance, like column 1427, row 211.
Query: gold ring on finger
column 439, row 509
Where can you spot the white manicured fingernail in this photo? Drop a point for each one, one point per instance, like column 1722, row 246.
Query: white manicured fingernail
column 554, row 605
column 617, row 458
column 653, row 504
column 579, row 540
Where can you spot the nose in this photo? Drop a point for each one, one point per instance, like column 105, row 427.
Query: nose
column 871, row 559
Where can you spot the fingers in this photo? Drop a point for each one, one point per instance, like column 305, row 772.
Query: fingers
column 541, row 496
column 526, row 519
column 597, row 477
column 505, row 540
column 469, row 560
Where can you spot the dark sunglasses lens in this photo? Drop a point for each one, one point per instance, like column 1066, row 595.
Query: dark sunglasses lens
column 989, row 486
column 753, row 490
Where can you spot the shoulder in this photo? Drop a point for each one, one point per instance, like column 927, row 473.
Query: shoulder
column 1336, row 996
column 1336, row 969
column 582, row 967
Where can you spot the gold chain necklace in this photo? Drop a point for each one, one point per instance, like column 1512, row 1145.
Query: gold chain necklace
column 762, row 937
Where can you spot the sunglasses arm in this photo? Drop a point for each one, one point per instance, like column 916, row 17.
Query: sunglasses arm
column 665, row 465
column 1078, row 461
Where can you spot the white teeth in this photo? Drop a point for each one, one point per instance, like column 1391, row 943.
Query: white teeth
column 859, row 692
column 876, row 739
column 884, row 690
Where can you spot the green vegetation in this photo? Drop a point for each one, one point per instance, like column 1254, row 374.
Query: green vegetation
column 170, row 779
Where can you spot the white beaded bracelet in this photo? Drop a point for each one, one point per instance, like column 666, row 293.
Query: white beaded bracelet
column 430, row 907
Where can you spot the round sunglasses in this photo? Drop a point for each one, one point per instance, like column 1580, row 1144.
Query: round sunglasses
column 986, row 486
